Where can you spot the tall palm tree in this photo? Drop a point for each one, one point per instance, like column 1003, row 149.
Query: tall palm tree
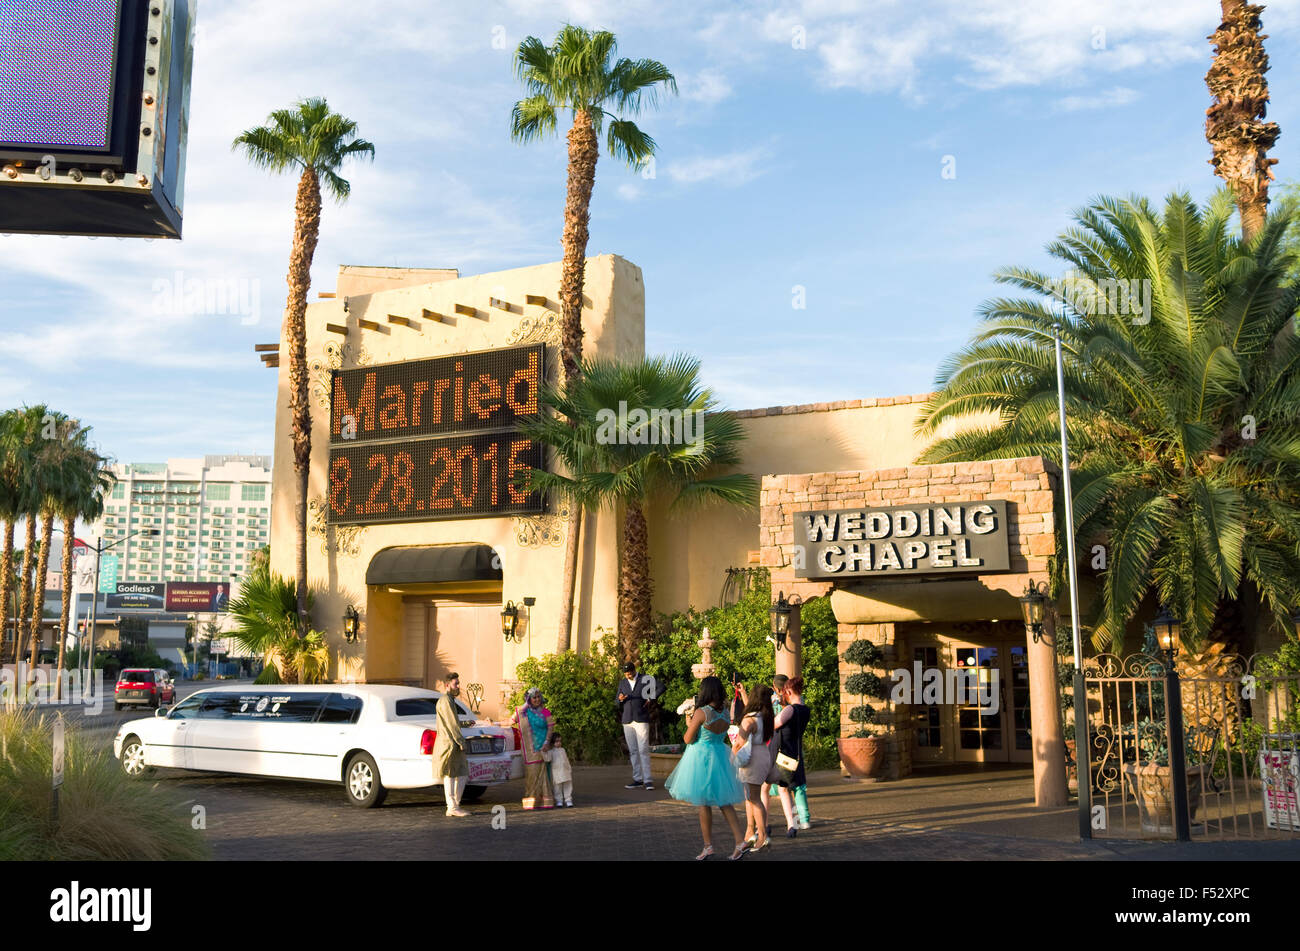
column 265, row 623
column 10, row 512
column 1183, row 422
column 309, row 138
column 33, row 473
column 1234, row 124
column 651, row 460
column 88, row 480
column 575, row 74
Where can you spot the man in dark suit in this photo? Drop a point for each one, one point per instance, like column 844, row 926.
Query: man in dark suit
column 633, row 691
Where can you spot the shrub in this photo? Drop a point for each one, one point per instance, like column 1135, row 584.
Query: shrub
column 103, row 814
column 578, row 688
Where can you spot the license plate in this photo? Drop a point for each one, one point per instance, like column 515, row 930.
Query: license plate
column 477, row 745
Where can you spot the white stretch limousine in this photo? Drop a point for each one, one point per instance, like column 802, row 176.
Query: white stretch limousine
column 368, row 737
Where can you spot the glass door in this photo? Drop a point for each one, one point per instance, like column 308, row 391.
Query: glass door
column 1022, row 744
column 979, row 707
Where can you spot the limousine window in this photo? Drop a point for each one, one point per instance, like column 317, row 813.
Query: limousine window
column 187, row 709
column 218, row 706
column 277, row 707
column 427, row 707
column 340, row 708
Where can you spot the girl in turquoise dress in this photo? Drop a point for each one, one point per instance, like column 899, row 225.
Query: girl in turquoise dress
column 706, row 776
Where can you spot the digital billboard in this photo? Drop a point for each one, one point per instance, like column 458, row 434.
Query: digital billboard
column 428, row 479
column 434, row 439
column 57, row 69
column 488, row 389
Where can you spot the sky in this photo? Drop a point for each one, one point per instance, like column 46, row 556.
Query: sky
column 872, row 160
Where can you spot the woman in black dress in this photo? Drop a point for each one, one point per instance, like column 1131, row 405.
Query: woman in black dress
column 788, row 744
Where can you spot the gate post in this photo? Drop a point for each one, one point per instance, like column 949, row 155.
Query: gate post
column 1177, row 756
column 1082, row 768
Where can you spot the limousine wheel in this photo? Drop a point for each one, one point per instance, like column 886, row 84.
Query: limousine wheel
column 362, row 782
column 473, row 793
column 133, row 757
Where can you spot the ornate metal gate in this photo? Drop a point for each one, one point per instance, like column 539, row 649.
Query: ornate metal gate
column 1233, row 770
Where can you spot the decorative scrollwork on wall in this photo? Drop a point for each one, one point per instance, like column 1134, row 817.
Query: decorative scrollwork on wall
column 332, row 356
column 537, row 328
column 542, row 531
column 343, row 539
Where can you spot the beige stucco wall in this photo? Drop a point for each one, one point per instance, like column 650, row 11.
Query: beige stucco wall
column 613, row 324
column 690, row 552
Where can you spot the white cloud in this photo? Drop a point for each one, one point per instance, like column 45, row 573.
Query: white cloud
column 733, row 168
column 629, row 192
column 1118, row 96
column 708, row 87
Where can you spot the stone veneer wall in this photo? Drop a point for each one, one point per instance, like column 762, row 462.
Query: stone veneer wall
column 1026, row 484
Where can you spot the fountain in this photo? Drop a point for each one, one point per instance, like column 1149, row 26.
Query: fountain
column 706, row 667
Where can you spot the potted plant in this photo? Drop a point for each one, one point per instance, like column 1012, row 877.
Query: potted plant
column 863, row 752
column 1151, row 782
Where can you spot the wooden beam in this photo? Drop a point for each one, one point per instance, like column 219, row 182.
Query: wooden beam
column 435, row 315
column 399, row 319
column 499, row 304
column 535, row 299
column 337, row 329
column 325, row 294
column 367, row 324
column 266, row 347
column 466, row 310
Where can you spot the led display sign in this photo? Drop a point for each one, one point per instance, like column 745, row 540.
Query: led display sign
column 435, row 439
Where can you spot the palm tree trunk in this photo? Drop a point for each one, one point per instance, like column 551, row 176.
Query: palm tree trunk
column 1239, row 138
column 38, row 586
column 571, row 547
column 6, row 580
column 583, row 152
column 25, row 590
column 634, row 582
column 65, row 615
column 305, row 237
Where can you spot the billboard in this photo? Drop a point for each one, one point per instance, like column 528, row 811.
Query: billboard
column 94, row 115
column 139, row 596
column 426, row 440
column 201, row 597
column 58, row 63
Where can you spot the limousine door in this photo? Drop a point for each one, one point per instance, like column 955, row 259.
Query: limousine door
column 262, row 733
column 220, row 739
column 171, row 747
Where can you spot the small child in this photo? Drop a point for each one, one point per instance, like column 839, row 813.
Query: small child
column 561, row 771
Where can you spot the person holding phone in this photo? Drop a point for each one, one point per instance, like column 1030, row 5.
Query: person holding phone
column 790, row 725
column 633, row 691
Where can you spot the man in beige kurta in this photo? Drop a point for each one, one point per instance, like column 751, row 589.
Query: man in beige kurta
column 449, row 761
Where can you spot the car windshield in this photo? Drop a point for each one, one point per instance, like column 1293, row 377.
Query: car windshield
column 135, row 675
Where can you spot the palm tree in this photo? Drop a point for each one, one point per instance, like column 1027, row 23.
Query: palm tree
column 1182, row 418
column 677, row 464
column 1234, row 124
column 310, row 138
column 33, row 473
column 266, row 624
column 575, row 74
column 87, row 482
column 10, row 511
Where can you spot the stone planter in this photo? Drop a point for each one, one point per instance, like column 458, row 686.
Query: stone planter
column 1152, row 787
column 862, row 756
column 661, row 764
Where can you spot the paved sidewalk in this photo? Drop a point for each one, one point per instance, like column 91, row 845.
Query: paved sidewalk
column 949, row 815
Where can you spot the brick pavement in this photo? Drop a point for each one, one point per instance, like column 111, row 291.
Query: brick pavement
column 957, row 816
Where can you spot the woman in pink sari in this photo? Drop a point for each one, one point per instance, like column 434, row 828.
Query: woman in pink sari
column 536, row 726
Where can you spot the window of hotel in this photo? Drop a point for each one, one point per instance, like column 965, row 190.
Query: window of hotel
column 119, row 491
column 219, row 491
column 253, row 493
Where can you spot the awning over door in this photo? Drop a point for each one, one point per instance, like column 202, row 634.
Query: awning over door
column 432, row 564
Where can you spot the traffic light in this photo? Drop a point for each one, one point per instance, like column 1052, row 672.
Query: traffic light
column 94, row 114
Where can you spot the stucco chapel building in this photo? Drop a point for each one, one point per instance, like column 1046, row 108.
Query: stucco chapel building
column 418, row 379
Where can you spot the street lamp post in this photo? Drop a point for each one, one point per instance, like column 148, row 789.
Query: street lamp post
column 1080, row 688
column 99, row 549
column 1167, row 629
